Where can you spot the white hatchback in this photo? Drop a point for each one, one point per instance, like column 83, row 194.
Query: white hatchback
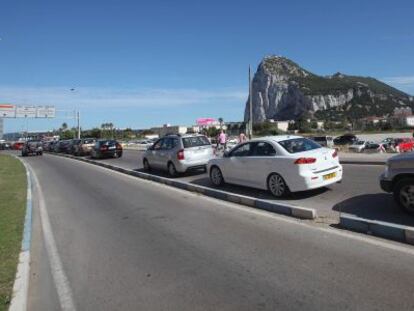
column 280, row 164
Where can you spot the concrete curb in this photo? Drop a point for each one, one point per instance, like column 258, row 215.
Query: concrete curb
column 381, row 229
column 21, row 282
column 362, row 162
column 278, row 208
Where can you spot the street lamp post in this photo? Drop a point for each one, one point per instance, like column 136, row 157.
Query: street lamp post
column 250, row 106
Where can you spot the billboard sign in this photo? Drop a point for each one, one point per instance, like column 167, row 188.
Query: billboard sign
column 26, row 112
column 205, row 121
column 7, row 111
column 45, row 112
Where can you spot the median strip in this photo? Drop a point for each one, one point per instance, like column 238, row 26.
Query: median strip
column 14, row 252
column 278, row 208
column 378, row 228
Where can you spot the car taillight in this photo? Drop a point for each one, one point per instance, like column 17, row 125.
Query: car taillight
column 305, row 161
column 335, row 154
column 104, row 147
column 118, row 146
column 180, row 155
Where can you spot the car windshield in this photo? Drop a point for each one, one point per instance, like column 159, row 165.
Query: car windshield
column 361, row 142
column 299, row 145
column 88, row 141
column 195, row 141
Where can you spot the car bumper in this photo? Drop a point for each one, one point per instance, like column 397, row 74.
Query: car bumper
column 385, row 184
column 311, row 181
column 183, row 167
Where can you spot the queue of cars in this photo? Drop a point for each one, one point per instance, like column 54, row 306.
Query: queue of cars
column 96, row 148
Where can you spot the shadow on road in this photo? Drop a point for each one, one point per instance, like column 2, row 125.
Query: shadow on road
column 376, row 206
column 258, row 193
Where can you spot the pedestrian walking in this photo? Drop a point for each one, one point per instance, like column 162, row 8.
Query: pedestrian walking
column 223, row 139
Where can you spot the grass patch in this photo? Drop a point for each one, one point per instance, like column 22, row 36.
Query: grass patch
column 12, row 211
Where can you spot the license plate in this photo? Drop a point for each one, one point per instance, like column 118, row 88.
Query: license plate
column 329, row 176
column 111, row 147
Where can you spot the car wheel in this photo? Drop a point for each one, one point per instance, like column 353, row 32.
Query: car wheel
column 146, row 164
column 172, row 170
column 404, row 194
column 216, row 177
column 277, row 185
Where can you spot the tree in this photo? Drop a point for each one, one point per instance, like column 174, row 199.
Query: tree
column 64, row 126
column 221, row 123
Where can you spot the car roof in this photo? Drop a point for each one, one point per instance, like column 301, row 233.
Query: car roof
column 277, row 138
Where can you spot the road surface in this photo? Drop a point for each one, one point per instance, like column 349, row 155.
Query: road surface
column 129, row 244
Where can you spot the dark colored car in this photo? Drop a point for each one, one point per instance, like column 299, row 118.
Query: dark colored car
column 4, row 146
column 73, row 146
column 61, row 146
column 106, row 149
column 33, row 147
column 347, row 139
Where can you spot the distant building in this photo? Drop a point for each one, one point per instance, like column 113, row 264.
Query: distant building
column 169, row 129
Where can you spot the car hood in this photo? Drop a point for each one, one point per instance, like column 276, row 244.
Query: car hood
column 402, row 157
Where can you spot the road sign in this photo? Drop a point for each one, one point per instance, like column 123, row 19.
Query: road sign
column 26, row 112
column 45, row 112
column 7, row 111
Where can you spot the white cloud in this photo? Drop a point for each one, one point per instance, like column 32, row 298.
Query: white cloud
column 403, row 80
column 96, row 97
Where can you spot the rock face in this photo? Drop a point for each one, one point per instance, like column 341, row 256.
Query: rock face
column 282, row 90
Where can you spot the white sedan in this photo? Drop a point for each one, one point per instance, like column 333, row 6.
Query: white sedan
column 280, row 164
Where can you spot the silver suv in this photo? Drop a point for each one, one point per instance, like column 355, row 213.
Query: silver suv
column 398, row 178
column 179, row 154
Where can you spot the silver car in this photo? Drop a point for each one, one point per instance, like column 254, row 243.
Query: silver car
column 179, row 154
column 398, row 178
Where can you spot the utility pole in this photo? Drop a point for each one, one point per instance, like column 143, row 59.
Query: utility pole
column 78, row 121
column 250, row 106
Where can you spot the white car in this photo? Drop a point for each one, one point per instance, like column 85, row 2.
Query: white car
column 280, row 164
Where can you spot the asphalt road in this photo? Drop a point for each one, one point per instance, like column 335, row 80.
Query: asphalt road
column 130, row 244
column 359, row 193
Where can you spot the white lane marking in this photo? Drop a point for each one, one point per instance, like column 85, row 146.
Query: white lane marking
column 59, row 277
column 347, row 234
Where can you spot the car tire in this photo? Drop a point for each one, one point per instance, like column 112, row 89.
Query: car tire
column 404, row 194
column 146, row 165
column 216, row 176
column 172, row 171
column 277, row 186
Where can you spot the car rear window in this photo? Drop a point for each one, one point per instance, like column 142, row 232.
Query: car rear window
column 299, row 145
column 88, row 141
column 195, row 141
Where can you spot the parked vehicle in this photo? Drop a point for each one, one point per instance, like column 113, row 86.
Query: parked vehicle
column 347, row 139
column 32, row 147
column 61, row 146
column 398, row 178
column 358, row 146
column 106, row 149
column 4, row 146
column 404, row 144
column 280, row 164
column 18, row 145
column 85, row 147
column 324, row 141
column 179, row 154
column 73, row 146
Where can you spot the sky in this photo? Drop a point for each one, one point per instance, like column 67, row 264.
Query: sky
column 146, row 63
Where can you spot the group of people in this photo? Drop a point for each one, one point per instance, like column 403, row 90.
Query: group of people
column 222, row 139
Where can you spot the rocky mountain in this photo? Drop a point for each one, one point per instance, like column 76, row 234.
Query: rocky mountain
column 282, row 90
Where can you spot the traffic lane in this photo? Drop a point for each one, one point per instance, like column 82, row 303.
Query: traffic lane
column 359, row 193
column 132, row 244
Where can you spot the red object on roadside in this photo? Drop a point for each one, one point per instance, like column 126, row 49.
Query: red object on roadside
column 18, row 145
column 406, row 145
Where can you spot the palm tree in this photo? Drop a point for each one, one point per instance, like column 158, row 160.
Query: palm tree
column 221, row 123
column 64, row 126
